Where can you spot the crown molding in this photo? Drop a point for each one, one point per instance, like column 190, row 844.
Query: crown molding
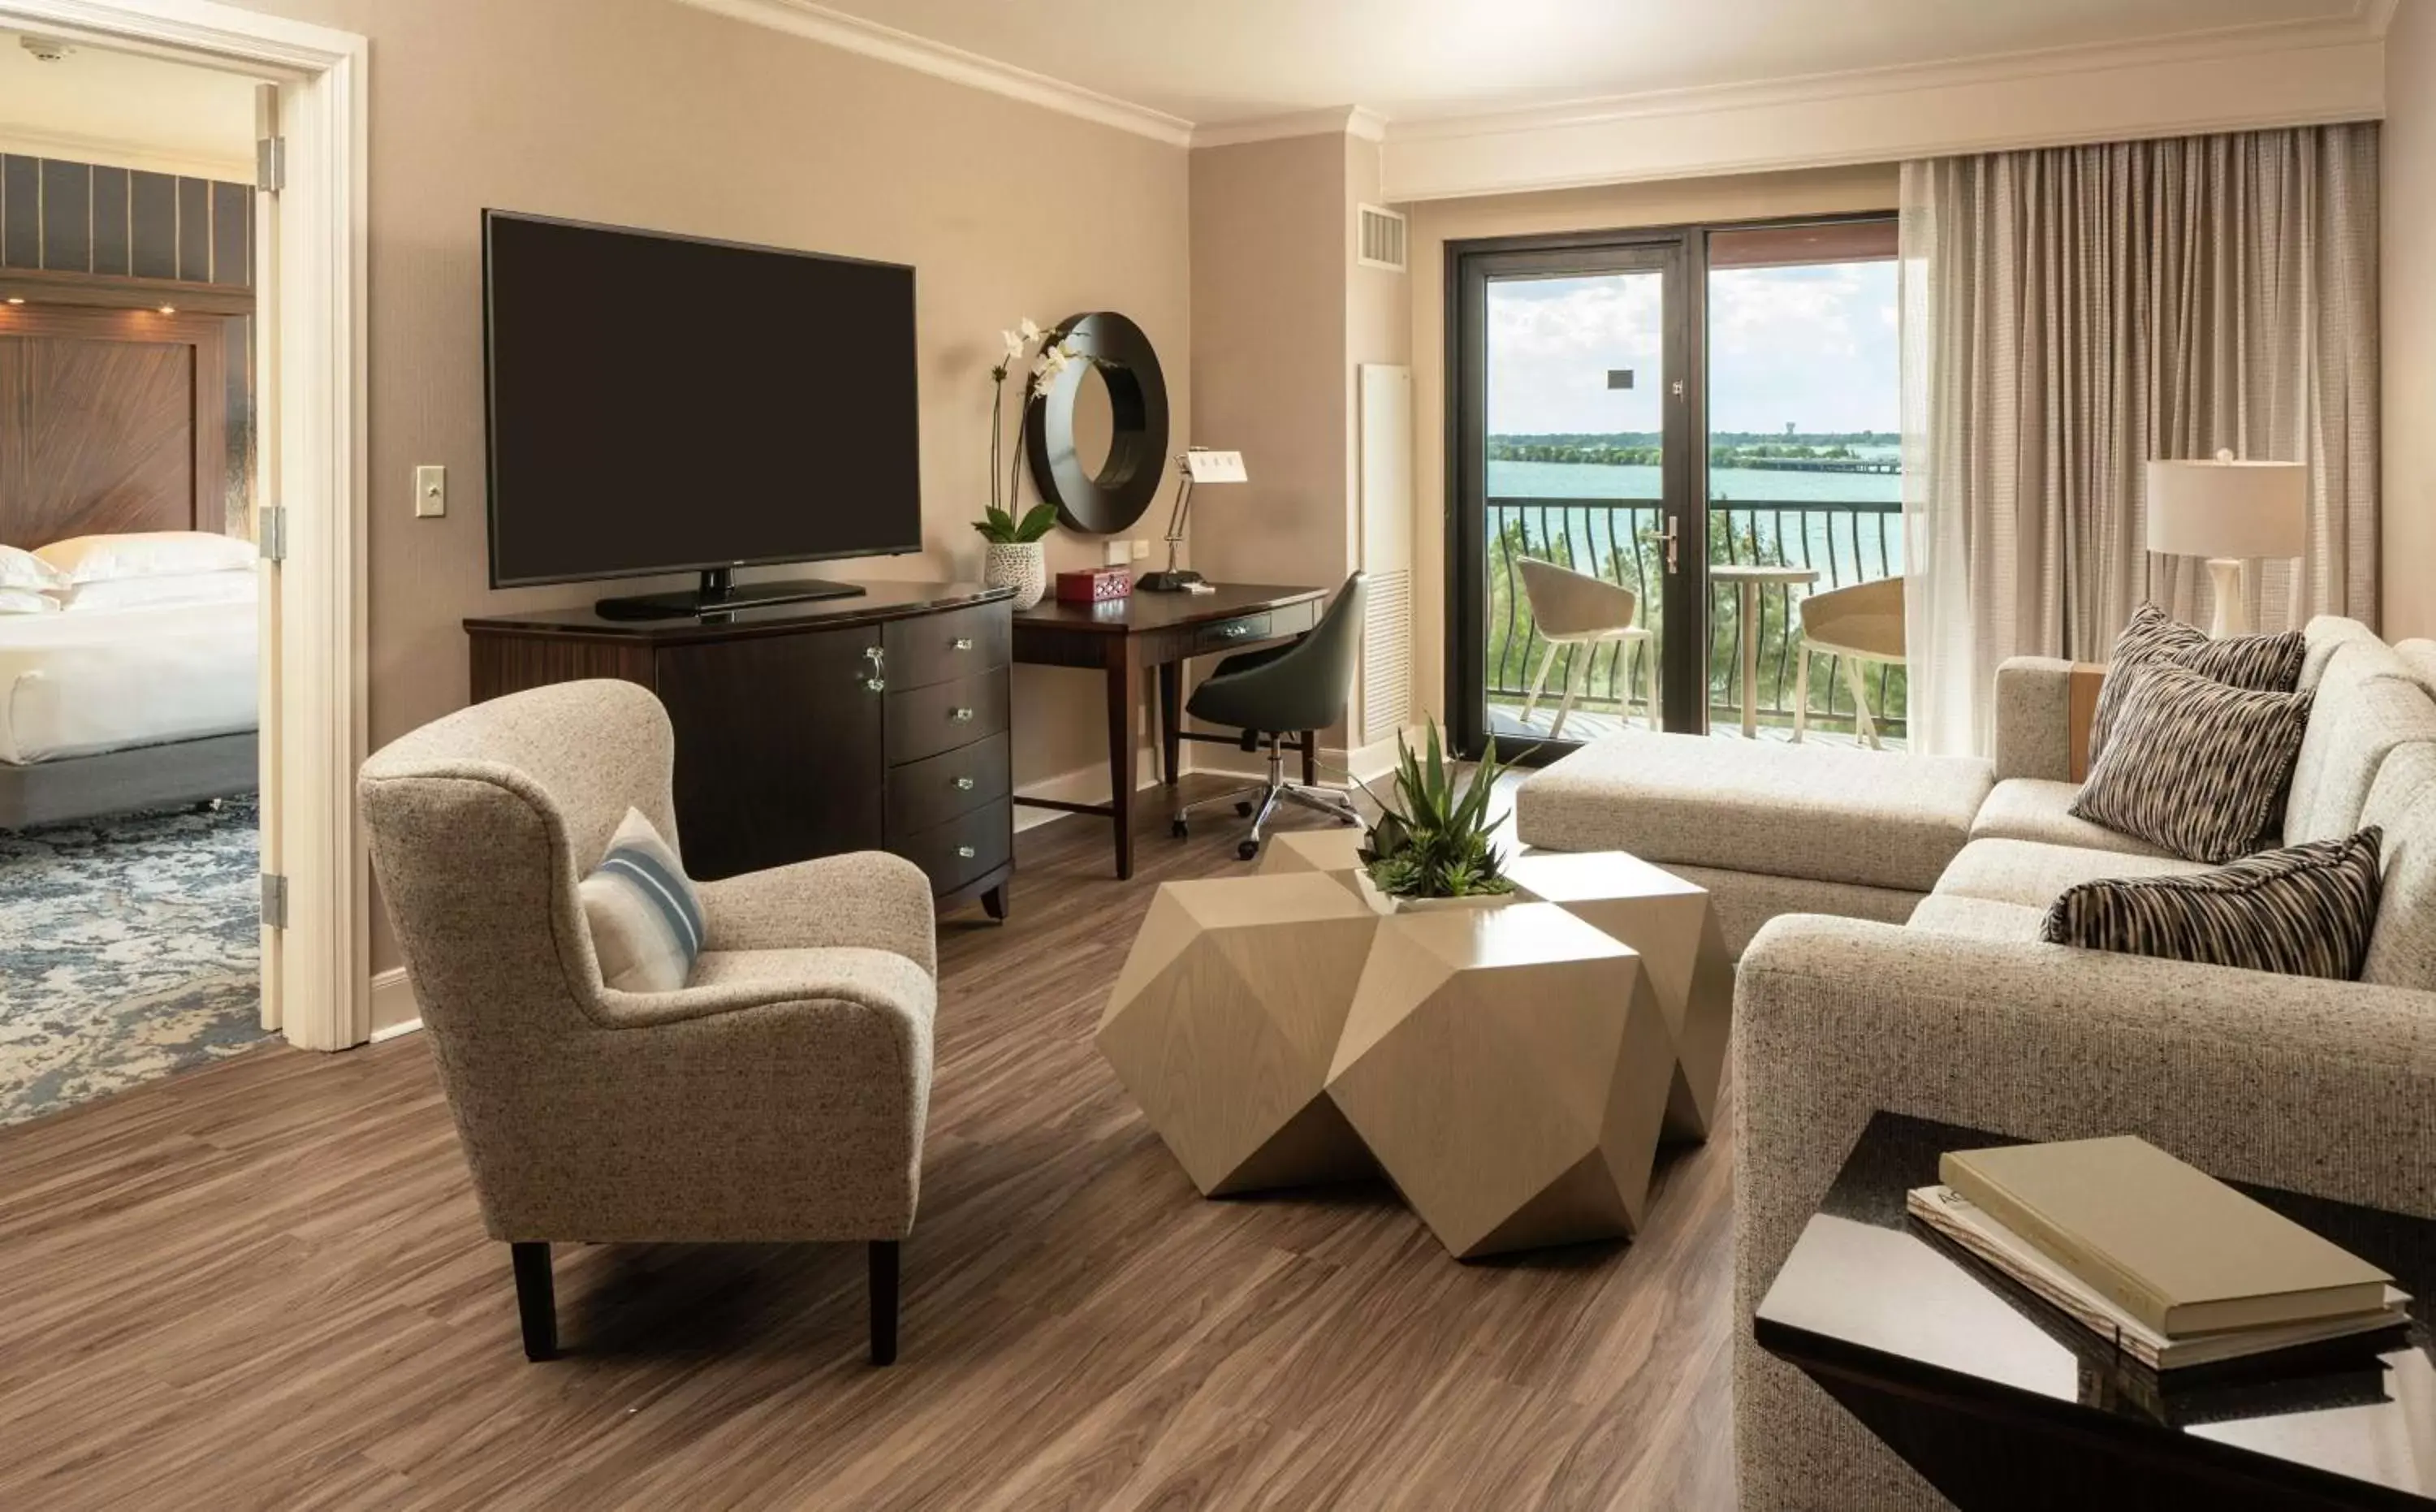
column 2288, row 74
column 65, row 146
column 819, row 23
column 1336, row 120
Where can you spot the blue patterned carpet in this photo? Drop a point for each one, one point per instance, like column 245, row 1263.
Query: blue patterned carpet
column 132, row 950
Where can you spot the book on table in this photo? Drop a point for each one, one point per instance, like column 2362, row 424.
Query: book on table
column 1958, row 1219
column 2168, row 1244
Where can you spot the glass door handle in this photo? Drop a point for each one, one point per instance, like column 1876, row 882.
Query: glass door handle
column 1674, row 541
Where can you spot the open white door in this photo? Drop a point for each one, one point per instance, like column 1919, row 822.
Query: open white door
column 268, row 528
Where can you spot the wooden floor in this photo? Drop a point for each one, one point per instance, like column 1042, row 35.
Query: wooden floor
column 264, row 1284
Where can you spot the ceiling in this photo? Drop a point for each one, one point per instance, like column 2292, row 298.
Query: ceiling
column 124, row 110
column 1223, row 62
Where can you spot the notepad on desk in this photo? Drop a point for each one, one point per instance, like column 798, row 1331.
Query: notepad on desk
column 2169, row 1245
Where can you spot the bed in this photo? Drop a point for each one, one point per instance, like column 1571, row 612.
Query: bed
column 117, row 710
column 116, row 422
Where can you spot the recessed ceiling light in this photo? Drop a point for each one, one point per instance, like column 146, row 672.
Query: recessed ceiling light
column 168, row 309
column 16, row 298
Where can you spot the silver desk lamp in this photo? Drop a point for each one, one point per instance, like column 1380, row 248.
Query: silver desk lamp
column 1198, row 465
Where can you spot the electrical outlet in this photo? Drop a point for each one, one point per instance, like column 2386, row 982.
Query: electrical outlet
column 1141, row 548
column 1117, row 553
column 430, row 493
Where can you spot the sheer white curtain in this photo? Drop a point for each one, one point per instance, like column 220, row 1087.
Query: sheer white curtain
column 2071, row 312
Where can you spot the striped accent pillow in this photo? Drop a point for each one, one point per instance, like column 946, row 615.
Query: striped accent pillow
column 2306, row 910
column 2266, row 664
column 645, row 920
column 2194, row 766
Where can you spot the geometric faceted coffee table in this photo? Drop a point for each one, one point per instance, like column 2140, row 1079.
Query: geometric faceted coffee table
column 1508, row 1066
column 1511, row 1065
column 1225, row 1020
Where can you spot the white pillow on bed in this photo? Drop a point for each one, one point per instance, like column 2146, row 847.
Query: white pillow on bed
column 21, row 568
column 26, row 602
column 143, row 593
column 146, row 554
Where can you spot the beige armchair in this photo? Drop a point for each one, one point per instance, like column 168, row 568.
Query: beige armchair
column 1862, row 623
column 779, row 1096
column 1574, row 609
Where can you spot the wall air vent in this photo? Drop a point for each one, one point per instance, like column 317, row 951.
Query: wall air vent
column 1379, row 238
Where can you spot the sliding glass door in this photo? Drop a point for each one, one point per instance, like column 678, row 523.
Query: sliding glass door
column 1659, row 447
column 1573, row 485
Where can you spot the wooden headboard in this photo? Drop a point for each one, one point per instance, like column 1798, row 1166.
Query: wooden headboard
column 112, row 419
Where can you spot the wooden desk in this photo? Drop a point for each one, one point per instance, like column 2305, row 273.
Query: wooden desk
column 1128, row 637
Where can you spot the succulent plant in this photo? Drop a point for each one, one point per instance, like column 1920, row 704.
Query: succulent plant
column 1433, row 840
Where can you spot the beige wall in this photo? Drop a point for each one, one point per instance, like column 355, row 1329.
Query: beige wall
column 1436, row 222
column 1268, row 356
column 2407, row 548
column 647, row 114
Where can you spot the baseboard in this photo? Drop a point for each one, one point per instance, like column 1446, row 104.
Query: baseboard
column 394, row 1010
column 1083, row 784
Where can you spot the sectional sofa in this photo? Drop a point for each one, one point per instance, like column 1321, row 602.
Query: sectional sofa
column 1887, row 910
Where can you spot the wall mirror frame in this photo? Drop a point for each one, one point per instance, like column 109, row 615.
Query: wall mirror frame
column 1108, row 498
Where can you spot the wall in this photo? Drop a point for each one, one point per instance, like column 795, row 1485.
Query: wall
column 647, row 114
column 2408, row 548
column 1435, row 223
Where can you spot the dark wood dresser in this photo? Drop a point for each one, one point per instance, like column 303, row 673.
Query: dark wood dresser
column 876, row 722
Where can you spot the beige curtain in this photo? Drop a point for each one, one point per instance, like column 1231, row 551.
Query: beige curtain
column 2072, row 312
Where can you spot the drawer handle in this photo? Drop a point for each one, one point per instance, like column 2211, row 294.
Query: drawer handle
column 963, row 643
column 964, row 784
column 877, row 685
column 1235, row 631
column 965, row 852
column 962, row 716
column 874, row 654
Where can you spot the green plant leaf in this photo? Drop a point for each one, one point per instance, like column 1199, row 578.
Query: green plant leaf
column 1037, row 523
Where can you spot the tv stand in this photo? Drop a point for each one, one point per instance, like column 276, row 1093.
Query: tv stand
column 720, row 593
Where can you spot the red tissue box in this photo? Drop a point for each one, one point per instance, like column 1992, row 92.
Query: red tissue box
column 1096, row 586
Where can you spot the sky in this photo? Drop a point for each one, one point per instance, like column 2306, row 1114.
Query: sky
column 1810, row 346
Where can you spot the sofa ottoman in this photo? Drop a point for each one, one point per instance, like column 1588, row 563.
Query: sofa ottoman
column 1766, row 828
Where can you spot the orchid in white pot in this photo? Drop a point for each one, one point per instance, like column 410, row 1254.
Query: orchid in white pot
column 1016, row 558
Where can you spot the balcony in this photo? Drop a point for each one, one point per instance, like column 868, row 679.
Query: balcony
column 1845, row 542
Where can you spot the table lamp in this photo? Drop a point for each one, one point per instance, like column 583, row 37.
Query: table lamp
column 2228, row 511
column 1198, row 465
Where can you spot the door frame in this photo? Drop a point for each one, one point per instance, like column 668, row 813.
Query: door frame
column 317, row 976
column 1682, row 252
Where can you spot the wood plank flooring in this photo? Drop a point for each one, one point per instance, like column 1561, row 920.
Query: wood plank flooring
column 264, row 1284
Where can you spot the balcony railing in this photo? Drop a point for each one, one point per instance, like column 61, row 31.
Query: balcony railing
column 1621, row 539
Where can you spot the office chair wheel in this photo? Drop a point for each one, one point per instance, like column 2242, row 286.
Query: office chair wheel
column 1244, row 809
column 1180, row 830
column 1247, row 849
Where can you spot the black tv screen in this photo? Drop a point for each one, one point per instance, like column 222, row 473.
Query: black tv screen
column 664, row 404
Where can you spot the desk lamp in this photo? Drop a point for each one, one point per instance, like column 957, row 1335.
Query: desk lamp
column 1198, row 465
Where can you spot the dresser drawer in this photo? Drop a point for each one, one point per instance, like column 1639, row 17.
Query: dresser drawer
column 937, row 788
column 923, row 721
column 1293, row 619
column 963, row 849
column 1241, row 631
column 942, row 648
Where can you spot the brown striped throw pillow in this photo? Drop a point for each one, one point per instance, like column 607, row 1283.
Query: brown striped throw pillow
column 2194, row 766
column 2266, row 664
column 2306, row 910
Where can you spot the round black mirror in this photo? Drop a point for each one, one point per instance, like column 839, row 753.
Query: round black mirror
column 1098, row 433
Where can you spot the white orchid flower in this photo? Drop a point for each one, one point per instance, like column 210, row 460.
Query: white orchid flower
column 1013, row 340
column 1054, row 360
column 1030, row 330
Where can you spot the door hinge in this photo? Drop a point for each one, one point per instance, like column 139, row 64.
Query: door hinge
column 274, row 533
column 271, row 165
column 274, row 900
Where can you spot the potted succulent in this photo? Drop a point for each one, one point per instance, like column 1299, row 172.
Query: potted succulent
column 1431, row 847
column 1016, row 557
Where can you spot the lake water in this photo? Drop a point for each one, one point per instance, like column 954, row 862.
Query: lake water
column 1843, row 548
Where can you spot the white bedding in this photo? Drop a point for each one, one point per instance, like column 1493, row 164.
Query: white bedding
column 77, row 683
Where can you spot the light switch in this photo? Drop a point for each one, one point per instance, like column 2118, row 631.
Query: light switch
column 1117, row 553
column 430, row 493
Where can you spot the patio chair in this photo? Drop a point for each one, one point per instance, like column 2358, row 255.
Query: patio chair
column 1574, row 609
column 1862, row 623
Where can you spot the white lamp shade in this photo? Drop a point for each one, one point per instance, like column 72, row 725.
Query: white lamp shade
column 2228, row 508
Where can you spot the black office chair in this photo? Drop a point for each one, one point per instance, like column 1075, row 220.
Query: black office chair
column 1269, row 694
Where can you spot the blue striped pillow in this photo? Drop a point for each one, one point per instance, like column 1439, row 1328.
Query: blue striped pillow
column 645, row 918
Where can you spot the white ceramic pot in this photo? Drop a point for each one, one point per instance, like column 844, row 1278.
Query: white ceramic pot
column 1388, row 903
column 1022, row 565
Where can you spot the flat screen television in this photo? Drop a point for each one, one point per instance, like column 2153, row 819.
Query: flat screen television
column 666, row 404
